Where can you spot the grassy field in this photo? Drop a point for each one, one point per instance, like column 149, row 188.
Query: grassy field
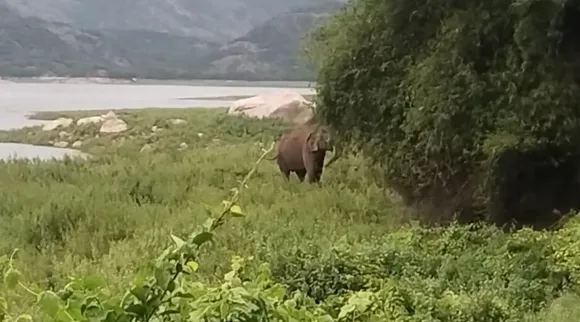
column 114, row 213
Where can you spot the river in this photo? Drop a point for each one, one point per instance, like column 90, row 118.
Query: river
column 19, row 99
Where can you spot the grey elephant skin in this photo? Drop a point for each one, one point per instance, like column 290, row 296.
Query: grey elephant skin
column 302, row 151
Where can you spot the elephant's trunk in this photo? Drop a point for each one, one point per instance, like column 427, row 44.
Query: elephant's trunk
column 337, row 154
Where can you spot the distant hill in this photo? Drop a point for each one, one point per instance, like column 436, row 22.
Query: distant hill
column 211, row 20
column 271, row 48
column 106, row 38
column 32, row 47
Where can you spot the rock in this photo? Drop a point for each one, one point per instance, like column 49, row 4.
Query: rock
column 155, row 128
column 77, row 144
column 54, row 124
column 146, row 147
column 60, row 144
column 109, row 115
column 63, row 134
column 112, row 124
column 285, row 104
column 90, row 120
column 177, row 121
column 183, row 146
column 199, row 134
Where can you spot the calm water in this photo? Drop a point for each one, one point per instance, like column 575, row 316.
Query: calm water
column 20, row 99
column 27, row 151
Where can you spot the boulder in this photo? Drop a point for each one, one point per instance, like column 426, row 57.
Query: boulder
column 60, row 144
column 178, row 121
column 285, row 104
column 59, row 122
column 77, row 144
column 112, row 124
column 90, row 120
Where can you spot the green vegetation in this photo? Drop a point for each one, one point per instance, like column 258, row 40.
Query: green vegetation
column 470, row 107
column 461, row 107
column 340, row 251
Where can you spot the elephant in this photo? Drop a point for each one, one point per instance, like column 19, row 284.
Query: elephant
column 302, row 150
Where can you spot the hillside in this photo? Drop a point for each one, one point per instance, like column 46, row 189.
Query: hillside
column 30, row 47
column 271, row 48
column 35, row 41
column 206, row 19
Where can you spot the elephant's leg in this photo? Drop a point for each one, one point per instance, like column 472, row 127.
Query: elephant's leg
column 301, row 174
column 313, row 177
column 286, row 174
column 310, row 169
column 314, row 163
column 284, row 169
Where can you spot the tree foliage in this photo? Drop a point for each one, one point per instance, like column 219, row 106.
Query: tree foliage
column 471, row 106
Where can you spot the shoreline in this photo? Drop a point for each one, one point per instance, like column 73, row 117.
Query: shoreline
column 19, row 100
column 151, row 81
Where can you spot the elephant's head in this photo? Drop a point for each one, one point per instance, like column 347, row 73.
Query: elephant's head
column 320, row 140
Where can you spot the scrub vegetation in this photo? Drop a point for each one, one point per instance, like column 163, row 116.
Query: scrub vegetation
column 460, row 117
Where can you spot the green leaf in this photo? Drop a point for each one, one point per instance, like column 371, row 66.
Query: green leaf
column 48, row 302
column 140, row 278
column 202, row 238
column 93, row 282
column 173, row 311
column 3, row 306
column 236, row 211
column 90, row 307
column 11, row 278
column 140, row 293
column 171, row 286
column 162, row 277
column 178, row 241
column 346, row 310
column 184, row 295
column 193, row 265
column 24, row 317
column 136, row 309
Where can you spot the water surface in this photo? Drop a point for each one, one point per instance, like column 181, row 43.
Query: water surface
column 24, row 97
column 20, row 99
column 27, row 151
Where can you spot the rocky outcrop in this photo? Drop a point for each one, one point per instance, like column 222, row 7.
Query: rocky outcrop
column 285, row 104
column 90, row 120
column 112, row 124
column 270, row 48
column 55, row 124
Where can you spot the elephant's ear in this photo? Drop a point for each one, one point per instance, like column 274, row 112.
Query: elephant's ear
column 312, row 142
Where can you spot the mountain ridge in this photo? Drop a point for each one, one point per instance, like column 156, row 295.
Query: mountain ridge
column 33, row 46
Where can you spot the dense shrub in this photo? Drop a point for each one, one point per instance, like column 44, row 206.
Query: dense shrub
column 430, row 272
column 469, row 106
column 92, row 236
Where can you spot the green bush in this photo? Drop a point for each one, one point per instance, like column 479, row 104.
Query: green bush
column 505, row 275
column 99, row 240
column 469, row 106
